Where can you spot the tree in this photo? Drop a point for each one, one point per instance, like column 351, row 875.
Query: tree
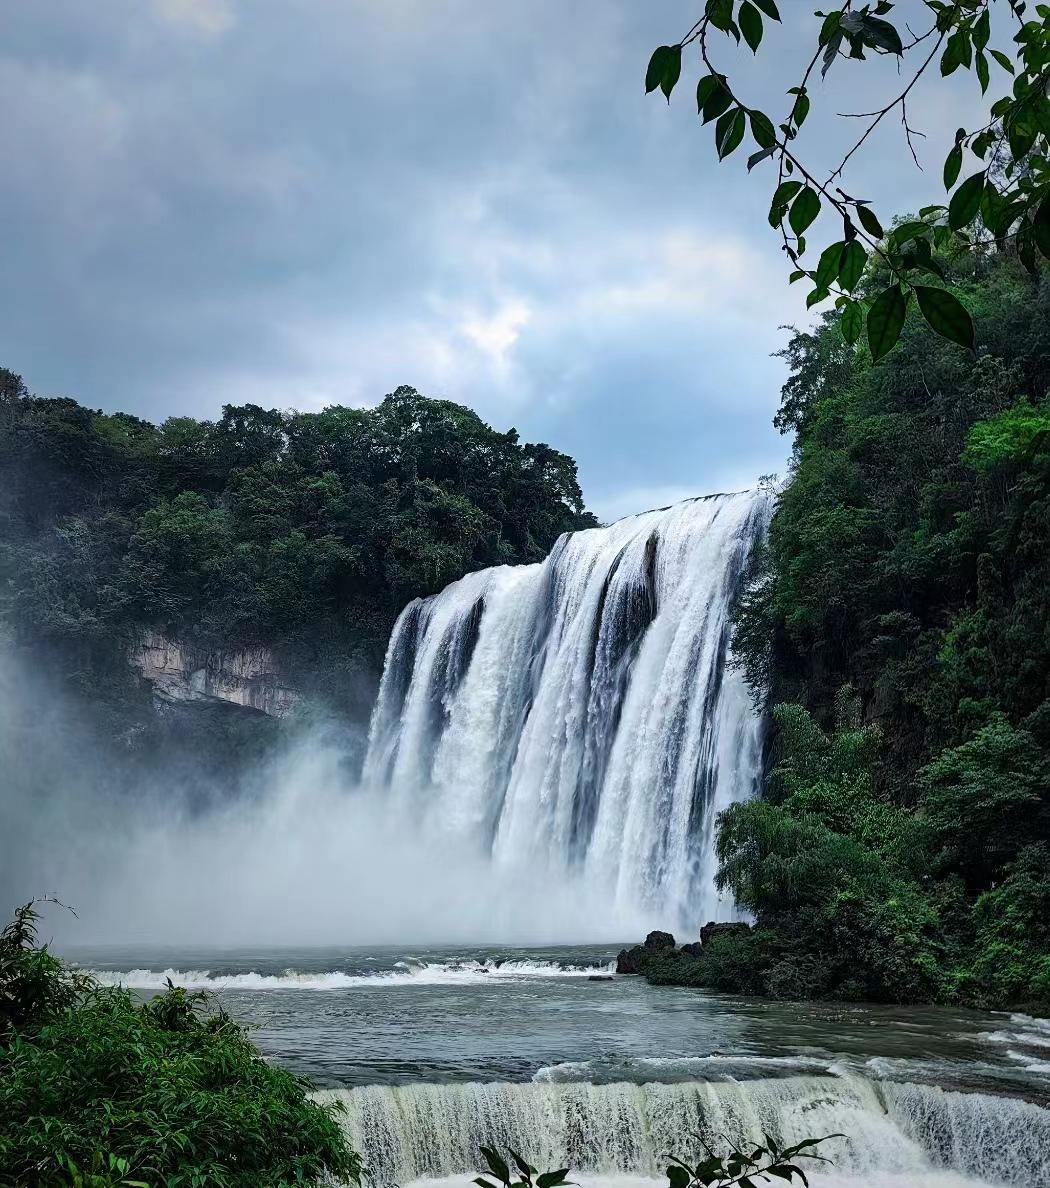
column 1003, row 204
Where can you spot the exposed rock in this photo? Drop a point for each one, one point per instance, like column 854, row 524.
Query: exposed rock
column 659, row 940
column 693, row 949
column 712, row 930
column 599, row 977
column 181, row 675
column 629, row 961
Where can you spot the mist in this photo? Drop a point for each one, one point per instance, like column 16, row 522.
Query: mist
column 292, row 851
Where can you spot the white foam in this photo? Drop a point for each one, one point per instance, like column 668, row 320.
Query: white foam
column 672, row 1068
column 407, row 973
column 896, row 1134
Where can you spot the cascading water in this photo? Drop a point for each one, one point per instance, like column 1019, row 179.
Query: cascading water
column 908, row 1131
column 579, row 714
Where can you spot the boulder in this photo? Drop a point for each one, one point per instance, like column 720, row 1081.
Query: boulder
column 629, row 961
column 693, row 949
column 659, row 940
column 711, row 931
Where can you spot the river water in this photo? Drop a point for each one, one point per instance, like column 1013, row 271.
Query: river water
column 434, row 1051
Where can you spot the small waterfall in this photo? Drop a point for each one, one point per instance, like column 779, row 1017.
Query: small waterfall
column 409, row 1132
column 579, row 716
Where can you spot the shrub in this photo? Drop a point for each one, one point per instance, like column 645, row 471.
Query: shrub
column 99, row 1090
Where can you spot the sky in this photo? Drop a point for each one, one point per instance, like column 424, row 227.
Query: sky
column 307, row 203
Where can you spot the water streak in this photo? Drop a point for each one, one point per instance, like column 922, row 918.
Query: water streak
column 579, row 715
column 426, row 1130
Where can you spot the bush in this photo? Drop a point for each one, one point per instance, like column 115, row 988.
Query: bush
column 99, row 1090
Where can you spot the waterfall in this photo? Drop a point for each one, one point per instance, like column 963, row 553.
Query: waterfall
column 408, row 1132
column 579, row 715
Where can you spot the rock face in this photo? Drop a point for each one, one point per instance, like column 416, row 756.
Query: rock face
column 630, row 961
column 658, row 958
column 710, row 931
column 182, row 675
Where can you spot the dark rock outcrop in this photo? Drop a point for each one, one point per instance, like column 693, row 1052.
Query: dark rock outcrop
column 632, row 961
column 693, row 949
column 629, row 961
column 711, row 931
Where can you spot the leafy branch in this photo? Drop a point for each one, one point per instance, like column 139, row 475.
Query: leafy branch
column 1003, row 206
column 739, row 1168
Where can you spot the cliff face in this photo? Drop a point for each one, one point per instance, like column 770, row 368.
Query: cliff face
column 182, row 675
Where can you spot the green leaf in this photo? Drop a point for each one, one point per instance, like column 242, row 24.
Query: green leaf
column 910, row 230
column 769, row 8
column 982, row 30
column 956, row 53
column 804, row 210
column 762, row 130
column 672, row 71
column 852, row 268
column 800, row 110
column 966, row 202
column 828, row 265
column 882, row 35
column 1041, row 227
column 781, row 199
column 869, row 222
column 886, row 320
column 952, row 165
column 946, row 314
column 816, row 297
column 851, row 323
column 659, row 63
column 552, row 1178
column 981, row 67
column 678, row 1177
column 705, row 88
column 750, row 25
column 721, row 14
column 497, row 1164
column 716, row 102
column 729, row 132
column 1003, row 60
column 761, row 155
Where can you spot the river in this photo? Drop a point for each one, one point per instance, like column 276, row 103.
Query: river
column 435, row 1050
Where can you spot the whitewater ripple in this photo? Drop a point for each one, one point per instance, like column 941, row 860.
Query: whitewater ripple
column 405, row 973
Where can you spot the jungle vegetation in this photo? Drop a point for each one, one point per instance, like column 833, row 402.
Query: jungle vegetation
column 306, row 532
column 897, row 626
column 99, row 1090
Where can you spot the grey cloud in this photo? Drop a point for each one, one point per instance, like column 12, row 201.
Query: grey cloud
column 213, row 200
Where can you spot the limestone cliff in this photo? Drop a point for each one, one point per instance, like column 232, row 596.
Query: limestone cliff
column 181, row 674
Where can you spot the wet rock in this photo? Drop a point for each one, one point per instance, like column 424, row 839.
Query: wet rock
column 659, row 940
column 693, row 949
column 629, row 961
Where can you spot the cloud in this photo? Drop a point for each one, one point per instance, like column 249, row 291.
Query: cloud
column 209, row 17
column 311, row 203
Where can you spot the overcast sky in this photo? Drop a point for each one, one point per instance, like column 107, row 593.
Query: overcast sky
column 306, row 202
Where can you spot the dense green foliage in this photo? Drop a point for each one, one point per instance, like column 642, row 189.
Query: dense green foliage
column 305, row 532
column 899, row 621
column 98, row 1090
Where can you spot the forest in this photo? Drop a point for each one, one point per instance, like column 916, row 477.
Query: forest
column 306, row 532
column 897, row 629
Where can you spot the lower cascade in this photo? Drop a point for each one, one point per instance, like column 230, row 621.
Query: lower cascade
column 580, row 715
column 909, row 1131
